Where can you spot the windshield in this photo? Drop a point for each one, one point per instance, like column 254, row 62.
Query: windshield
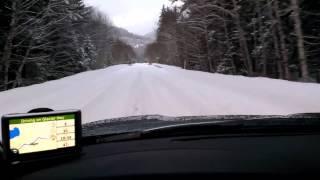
column 172, row 58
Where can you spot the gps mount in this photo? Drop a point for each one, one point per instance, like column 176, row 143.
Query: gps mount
column 40, row 110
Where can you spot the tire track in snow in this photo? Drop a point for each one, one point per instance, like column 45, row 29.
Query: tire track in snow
column 206, row 96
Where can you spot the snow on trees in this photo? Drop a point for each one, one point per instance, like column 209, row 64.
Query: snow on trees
column 49, row 39
column 247, row 37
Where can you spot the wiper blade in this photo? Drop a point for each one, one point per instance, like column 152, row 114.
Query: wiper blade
column 141, row 123
column 265, row 126
column 275, row 124
column 143, row 134
column 90, row 140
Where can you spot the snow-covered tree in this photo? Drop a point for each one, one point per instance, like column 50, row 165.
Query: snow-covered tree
column 278, row 39
column 45, row 39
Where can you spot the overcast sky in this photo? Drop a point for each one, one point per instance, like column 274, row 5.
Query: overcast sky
column 137, row 16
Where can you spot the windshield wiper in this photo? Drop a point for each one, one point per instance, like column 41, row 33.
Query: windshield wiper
column 298, row 123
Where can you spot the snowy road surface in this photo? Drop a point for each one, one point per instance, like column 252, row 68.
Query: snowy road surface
column 143, row 89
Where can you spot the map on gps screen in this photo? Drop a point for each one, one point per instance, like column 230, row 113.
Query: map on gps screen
column 29, row 135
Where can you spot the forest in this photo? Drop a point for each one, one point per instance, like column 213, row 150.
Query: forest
column 43, row 40
column 267, row 38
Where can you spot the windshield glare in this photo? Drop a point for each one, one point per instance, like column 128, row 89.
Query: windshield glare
column 172, row 58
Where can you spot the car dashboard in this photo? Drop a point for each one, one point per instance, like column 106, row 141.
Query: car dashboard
column 207, row 156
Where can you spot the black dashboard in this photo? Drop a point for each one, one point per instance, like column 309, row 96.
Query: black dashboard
column 253, row 156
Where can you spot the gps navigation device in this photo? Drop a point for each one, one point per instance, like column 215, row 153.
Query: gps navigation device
column 34, row 136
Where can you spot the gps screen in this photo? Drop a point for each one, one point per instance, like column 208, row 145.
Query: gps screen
column 36, row 134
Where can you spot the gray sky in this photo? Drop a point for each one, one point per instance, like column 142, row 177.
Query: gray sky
column 137, row 16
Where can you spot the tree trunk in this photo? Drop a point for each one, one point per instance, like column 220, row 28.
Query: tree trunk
column 283, row 46
column 18, row 80
column 262, row 39
column 276, row 45
column 8, row 47
column 229, row 44
column 185, row 64
column 242, row 40
column 300, row 39
column 211, row 67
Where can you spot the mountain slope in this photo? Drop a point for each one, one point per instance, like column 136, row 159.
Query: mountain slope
column 138, row 43
column 133, row 40
column 141, row 89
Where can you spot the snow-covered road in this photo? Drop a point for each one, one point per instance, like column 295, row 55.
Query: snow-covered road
column 142, row 89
